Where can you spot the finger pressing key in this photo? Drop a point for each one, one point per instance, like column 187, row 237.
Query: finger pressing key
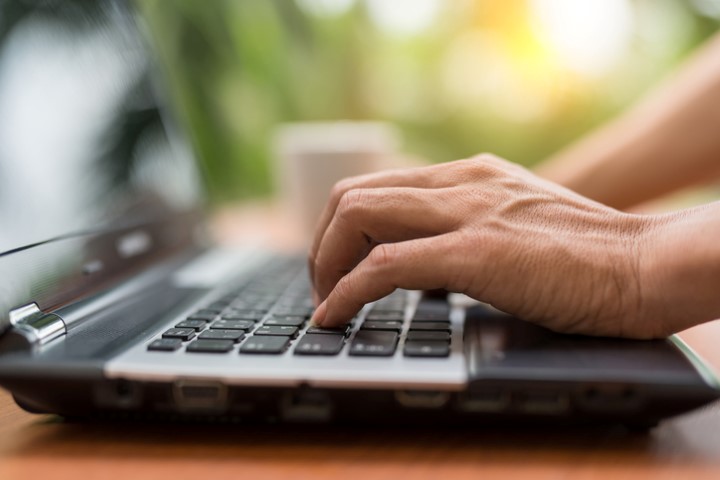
column 368, row 217
column 388, row 267
column 425, row 177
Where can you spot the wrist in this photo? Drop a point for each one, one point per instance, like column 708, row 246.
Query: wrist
column 679, row 270
column 630, row 301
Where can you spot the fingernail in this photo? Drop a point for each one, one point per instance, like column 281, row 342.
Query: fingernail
column 319, row 316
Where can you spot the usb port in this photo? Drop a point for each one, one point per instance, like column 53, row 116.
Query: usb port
column 306, row 405
column 422, row 398
column 491, row 400
column 547, row 403
column 200, row 396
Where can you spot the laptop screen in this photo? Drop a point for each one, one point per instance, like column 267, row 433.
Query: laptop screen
column 88, row 164
column 82, row 142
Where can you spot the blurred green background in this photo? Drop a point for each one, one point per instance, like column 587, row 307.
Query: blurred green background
column 519, row 78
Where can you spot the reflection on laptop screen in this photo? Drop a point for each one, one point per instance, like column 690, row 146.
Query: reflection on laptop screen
column 93, row 185
column 82, row 144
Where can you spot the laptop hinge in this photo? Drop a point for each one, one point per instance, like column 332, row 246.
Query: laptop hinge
column 36, row 326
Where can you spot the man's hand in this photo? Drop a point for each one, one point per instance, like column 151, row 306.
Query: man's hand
column 489, row 229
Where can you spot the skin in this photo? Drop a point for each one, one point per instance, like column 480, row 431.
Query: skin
column 667, row 142
column 498, row 233
column 553, row 247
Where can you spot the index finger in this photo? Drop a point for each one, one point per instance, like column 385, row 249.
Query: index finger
column 366, row 217
column 418, row 264
column 423, row 177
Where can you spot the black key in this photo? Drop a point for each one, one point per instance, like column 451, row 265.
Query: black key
column 165, row 344
column 374, row 343
column 248, row 312
column 210, row 346
column 429, row 311
column 428, row 348
column 183, row 334
column 284, row 321
column 278, row 330
column 234, row 335
column 233, row 325
column 243, row 315
column 440, row 326
column 430, row 317
column 196, row 325
column 385, row 316
column 433, row 306
column 389, row 306
column 265, row 344
column 320, row 344
column 329, row 331
column 203, row 315
column 427, row 335
column 389, row 325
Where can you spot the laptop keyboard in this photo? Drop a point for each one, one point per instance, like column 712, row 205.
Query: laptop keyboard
column 270, row 314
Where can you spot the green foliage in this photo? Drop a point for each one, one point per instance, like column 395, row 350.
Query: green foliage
column 238, row 68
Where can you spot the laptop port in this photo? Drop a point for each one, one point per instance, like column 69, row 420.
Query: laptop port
column 421, row 398
column 306, row 406
column 610, row 398
column 119, row 394
column 484, row 401
column 200, row 396
column 545, row 403
column 126, row 393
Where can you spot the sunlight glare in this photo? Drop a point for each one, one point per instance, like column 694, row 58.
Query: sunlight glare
column 480, row 76
column 588, row 37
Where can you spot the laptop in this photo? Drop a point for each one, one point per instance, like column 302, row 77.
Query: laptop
column 114, row 302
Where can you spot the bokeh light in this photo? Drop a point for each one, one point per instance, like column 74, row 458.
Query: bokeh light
column 403, row 17
column 520, row 78
column 588, row 37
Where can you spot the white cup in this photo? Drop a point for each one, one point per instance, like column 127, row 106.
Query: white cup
column 311, row 157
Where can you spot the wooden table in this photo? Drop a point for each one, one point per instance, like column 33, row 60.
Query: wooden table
column 687, row 447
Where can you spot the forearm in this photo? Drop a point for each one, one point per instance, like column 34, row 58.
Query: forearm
column 669, row 141
column 681, row 268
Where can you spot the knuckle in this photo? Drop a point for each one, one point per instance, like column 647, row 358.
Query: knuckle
column 482, row 166
column 339, row 189
column 487, row 165
column 488, row 158
column 351, row 202
column 383, row 256
column 464, row 164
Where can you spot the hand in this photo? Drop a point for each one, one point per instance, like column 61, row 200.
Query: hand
column 489, row 229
